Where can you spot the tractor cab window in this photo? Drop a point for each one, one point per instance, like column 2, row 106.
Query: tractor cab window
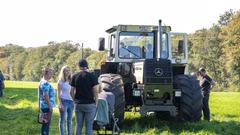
column 135, row 45
column 177, row 46
column 164, row 47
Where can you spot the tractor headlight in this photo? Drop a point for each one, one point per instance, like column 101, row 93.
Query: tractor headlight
column 178, row 93
column 138, row 91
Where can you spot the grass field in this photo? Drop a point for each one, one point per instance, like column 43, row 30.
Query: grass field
column 18, row 111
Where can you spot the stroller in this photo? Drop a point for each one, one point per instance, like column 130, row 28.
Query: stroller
column 105, row 118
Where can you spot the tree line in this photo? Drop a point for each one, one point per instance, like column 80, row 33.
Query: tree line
column 19, row 63
column 217, row 49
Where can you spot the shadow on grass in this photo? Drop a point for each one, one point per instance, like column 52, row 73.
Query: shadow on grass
column 23, row 121
column 14, row 95
column 18, row 121
column 232, row 116
column 141, row 125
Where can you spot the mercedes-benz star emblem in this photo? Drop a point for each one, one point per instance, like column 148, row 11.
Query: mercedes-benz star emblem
column 158, row 72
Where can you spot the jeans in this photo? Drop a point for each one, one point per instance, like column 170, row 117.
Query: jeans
column 46, row 126
column 68, row 112
column 84, row 112
column 206, row 110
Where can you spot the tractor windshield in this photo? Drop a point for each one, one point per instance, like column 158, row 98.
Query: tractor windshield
column 135, row 45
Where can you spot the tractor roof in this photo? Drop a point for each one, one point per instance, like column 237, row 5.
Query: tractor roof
column 136, row 28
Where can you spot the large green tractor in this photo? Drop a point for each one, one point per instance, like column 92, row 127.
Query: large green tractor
column 146, row 67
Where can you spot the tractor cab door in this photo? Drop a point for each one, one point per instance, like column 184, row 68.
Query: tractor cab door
column 178, row 48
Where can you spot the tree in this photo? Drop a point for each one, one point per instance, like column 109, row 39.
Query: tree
column 96, row 58
column 231, row 47
column 197, row 50
column 225, row 18
column 74, row 57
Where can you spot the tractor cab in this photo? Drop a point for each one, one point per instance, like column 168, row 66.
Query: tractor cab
column 152, row 64
column 132, row 43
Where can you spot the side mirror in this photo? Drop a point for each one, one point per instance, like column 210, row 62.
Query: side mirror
column 180, row 46
column 101, row 44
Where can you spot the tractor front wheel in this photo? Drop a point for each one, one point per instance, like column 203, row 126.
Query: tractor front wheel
column 113, row 83
column 190, row 103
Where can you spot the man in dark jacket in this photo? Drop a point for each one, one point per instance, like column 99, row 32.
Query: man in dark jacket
column 206, row 84
column 84, row 92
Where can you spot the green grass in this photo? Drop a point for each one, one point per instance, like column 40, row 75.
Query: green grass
column 18, row 111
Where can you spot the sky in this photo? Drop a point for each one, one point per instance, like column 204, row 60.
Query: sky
column 33, row 23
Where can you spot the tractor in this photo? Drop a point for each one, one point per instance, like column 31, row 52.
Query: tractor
column 147, row 67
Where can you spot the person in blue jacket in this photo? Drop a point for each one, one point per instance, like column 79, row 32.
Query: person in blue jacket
column 47, row 98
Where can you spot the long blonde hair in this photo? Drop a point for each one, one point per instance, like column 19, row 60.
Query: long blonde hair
column 62, row 76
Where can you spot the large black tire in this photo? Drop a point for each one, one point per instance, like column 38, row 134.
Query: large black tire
column 190, row 106
column 113, row 83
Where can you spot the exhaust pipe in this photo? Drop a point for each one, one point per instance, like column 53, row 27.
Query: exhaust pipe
column 159, row 38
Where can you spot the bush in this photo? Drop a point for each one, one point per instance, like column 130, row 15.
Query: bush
column 234, row 88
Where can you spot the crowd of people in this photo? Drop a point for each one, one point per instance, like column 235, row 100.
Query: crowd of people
column 79, row 90
column 83, row 88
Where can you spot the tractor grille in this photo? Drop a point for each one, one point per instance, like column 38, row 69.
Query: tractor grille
column 156, row 72
column 159, row 80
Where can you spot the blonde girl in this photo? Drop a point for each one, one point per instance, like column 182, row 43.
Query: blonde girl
column 65, row 100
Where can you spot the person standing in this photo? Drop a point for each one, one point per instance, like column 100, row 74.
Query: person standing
column 84, row 92
column 47, row 98
column 195, row 74
column 2, row 85
column 206, row 84
column 65, row 100
column 149, row 51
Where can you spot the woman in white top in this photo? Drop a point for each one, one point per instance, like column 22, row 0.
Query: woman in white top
column 65, row 100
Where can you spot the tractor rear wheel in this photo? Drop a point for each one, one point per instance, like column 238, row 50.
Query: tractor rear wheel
column 190, row 103
column 113, row 83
